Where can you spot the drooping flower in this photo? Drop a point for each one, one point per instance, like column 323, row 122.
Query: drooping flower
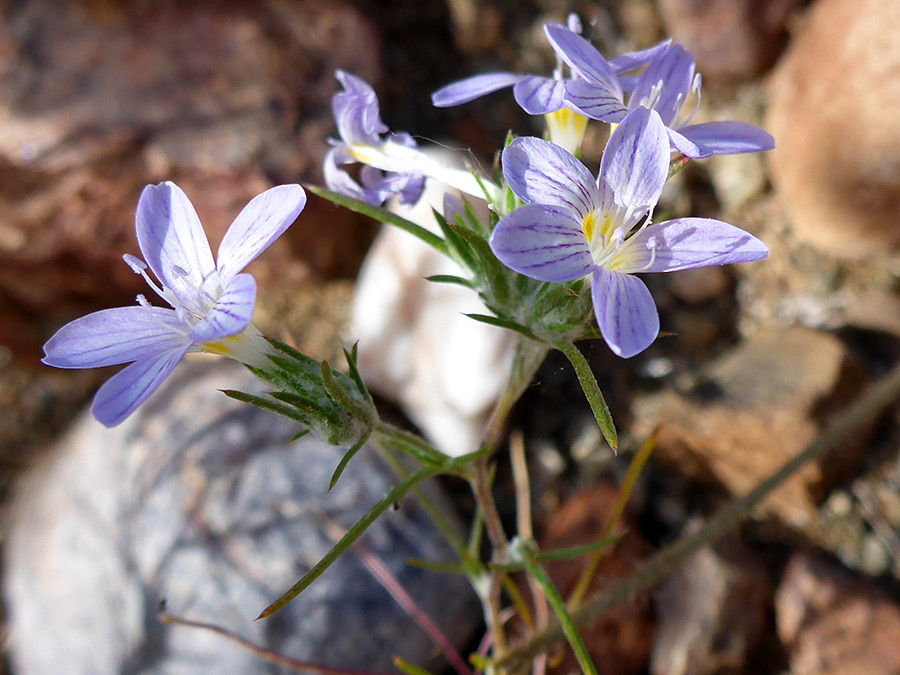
column 663, row 86
column 573, row 226
column 211, row 300
column 540, row 95
column 392, row 163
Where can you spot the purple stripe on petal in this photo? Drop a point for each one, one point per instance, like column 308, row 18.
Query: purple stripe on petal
column 542, row 242
column 582, row 57
column 258, row 224
column 173, row 242
column 727, row 138
column 539, row 95
column 634, row 166
column 594, row 101
column 625, row 312
column 471, row 88
column 686, row 243
column 232, row 312
column 127, row 389
column 543, row 173
column 113, row 336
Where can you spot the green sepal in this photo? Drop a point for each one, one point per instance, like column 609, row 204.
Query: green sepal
column 381, row 215
column 495, row 273
column 459, row 249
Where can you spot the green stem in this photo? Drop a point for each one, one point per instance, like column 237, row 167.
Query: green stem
column 527, row 358
column 566, row 625
column 875, row 401
column 591, row 391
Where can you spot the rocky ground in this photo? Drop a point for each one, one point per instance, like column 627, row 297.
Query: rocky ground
column 227, row 98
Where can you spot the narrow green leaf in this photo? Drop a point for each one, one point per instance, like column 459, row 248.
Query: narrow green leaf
column 352, row 535
column 449, row 279
column 381, row 215
column 405, row 666
column 591, row 391
column 575, row 551
column 300, row 434
column 440, row 567
column 502, row 323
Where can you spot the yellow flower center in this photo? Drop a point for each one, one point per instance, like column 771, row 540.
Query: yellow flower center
column 566, row 128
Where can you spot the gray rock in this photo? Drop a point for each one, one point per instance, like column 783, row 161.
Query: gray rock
column 201, row 501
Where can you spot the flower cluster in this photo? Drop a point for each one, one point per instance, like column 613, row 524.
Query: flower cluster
column 552, row 221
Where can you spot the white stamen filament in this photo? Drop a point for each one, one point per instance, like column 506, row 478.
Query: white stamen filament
column 138, row 266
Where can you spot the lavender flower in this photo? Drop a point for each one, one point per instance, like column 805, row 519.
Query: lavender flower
column 212, row 301
column 539, row 95
column 359, row 124
column 573, row 226
column 663, row 86
column 392, row 162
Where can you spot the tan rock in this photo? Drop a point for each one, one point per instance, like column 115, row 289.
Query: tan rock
column 835, row 111
column 755, row 408
column 833, row 624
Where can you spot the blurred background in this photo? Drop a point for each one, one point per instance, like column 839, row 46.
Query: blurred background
column 227, row 98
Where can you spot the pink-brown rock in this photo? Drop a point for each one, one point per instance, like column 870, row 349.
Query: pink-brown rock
column 834, row 111
column 619, row 641
column 834, row 624
column 731, row 39
column 98, row 99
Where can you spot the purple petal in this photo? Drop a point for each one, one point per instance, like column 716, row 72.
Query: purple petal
column 632, row 60
column 172, row 241
column 338, row 180
column 128, row 388
column 113, row 336
column 683, row 145
column 355, row 110
column 665, row 84
column 595, row 101
column 542, row 242
column 634, row 166
column 543, row 173
column 539, row 95
column 232, row 312
column 686, row 243
column 625, row 312
column 258, row 224
column 582, row 57
column 471, row 88
column 727, row 138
